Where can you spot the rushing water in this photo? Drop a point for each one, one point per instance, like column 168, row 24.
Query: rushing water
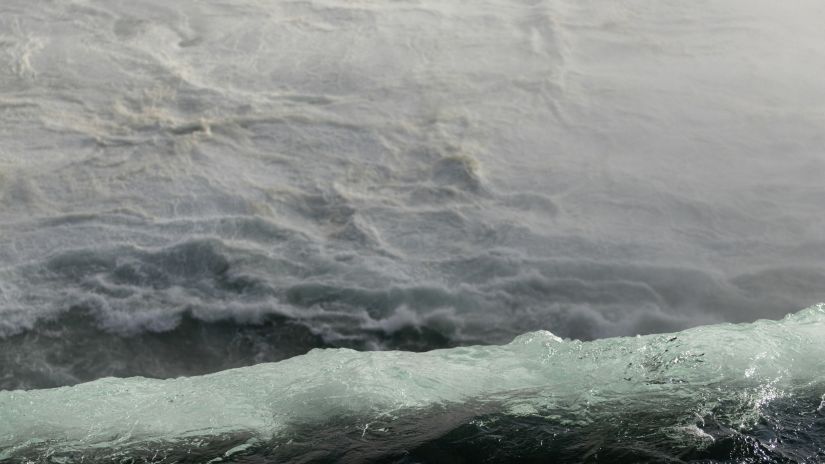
column 740, row 392
column 192, row 187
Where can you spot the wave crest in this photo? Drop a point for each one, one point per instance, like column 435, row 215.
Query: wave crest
column 725, row 375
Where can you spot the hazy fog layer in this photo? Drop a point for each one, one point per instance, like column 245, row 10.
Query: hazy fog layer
column 404, row 174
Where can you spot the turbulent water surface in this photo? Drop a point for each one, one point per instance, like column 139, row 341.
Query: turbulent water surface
column 191, row 187
column 752, row 392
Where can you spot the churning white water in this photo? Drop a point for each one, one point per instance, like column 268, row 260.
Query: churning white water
column 192, row 186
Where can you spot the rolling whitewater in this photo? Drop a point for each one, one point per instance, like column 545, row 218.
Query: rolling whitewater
column 412, row 231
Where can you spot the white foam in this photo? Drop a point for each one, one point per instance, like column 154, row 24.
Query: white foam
column 596, row 171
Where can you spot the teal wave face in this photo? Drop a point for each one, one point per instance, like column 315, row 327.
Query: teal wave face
column 679, row 392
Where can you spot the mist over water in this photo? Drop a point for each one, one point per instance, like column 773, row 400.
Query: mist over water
column 196, row 186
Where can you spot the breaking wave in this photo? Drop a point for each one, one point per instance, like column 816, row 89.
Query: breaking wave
column 729, row 392
column 215, row 216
